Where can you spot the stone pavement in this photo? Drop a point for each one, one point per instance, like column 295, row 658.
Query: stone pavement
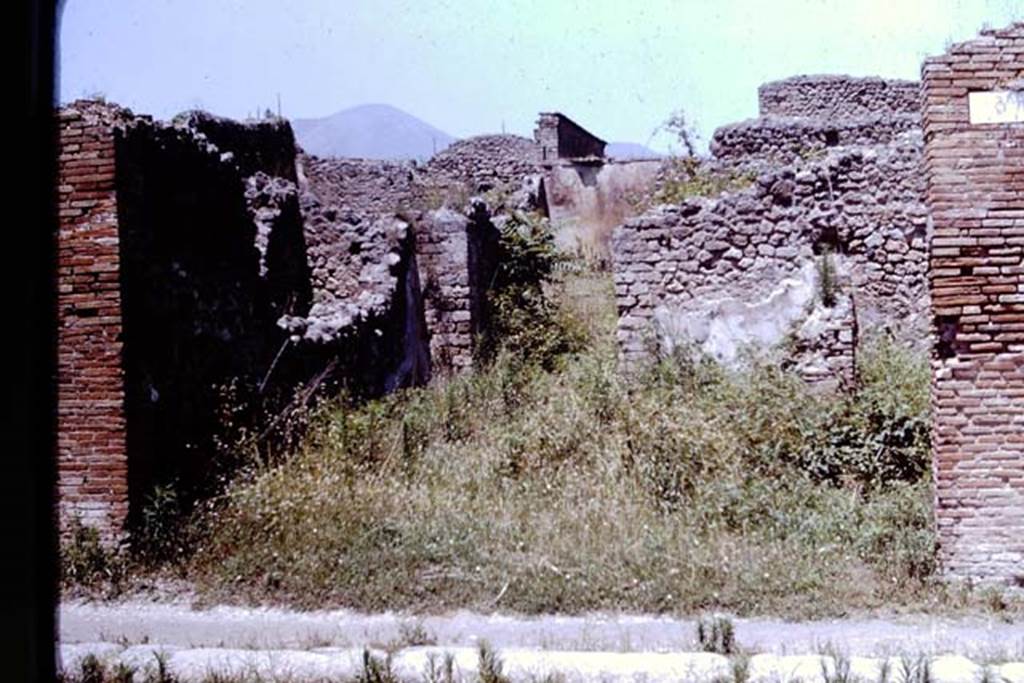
column 329, row 645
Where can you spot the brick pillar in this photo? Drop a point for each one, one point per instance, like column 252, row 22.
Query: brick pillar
column 92, row 462
column 974, row 162
column 456, row 257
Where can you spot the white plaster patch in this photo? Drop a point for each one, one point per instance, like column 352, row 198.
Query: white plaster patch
column 723, row 328
column 997, row 106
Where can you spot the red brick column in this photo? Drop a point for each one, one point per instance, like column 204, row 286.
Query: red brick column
column 92, row 462
column 975, row 174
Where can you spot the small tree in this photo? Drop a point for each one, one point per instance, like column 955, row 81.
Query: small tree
column 683, row 174
column 682, row 129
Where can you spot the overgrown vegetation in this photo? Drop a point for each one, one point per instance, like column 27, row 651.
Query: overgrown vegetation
column 684, row 177
column 539, row 486
column 684, row 174
column 716, row 634
column 87, row 564
column 549, row 481
column 526, row 323
column 94, row 670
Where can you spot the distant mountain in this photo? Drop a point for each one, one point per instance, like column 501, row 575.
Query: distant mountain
column 370, row 131
column 630, row 150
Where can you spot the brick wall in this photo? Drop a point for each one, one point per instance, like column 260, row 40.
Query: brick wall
column 92, row 463
column 456, row 256
column 975, row 193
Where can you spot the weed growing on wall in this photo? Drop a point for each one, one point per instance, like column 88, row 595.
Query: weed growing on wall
column 828, row 282
column 685, row 177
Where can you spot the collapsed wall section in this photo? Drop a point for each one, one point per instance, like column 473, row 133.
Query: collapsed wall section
column 364, row 331
column 744, row 268
column 838, row 97
column 974, row 162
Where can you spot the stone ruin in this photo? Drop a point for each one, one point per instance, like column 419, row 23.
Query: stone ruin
column 206, row 262
column 204, row 253
column 840, row 191
column 916, row 193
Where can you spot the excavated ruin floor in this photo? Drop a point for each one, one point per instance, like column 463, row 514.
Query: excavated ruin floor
column 329, row 644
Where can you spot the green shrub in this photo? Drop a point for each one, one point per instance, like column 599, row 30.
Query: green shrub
column 688, row 176
column 882, row 433
column 86, row 562
column 159, row 534
column 523, row 319
column 828, row 284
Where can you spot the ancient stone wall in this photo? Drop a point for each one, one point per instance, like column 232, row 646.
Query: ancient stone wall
column 974, row 161
column 203, row 274
column 838, row 97
column 365, row 332
column 92, row 464
column 788, row 139
column 483, row 163
column 559, row 137
column 360, row 189
column 744, row 267
column 265, row 145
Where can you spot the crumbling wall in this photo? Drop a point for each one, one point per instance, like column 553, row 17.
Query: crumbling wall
column 199, row 316
column 364, row 332
column 787, row 139
column 838, row 97
column 742, row 268
column 173, row 268
column 265, row 145
column 92, row 464
column 559, row 137
column 360, row 189
column 974, row 161
column 484, row 162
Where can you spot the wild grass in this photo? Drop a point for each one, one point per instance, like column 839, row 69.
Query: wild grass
column 575, row 488
column 683, row 177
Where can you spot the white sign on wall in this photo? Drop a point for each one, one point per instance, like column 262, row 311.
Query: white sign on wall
column 998, row 106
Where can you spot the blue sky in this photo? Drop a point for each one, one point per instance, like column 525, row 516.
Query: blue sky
column 474, row 66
